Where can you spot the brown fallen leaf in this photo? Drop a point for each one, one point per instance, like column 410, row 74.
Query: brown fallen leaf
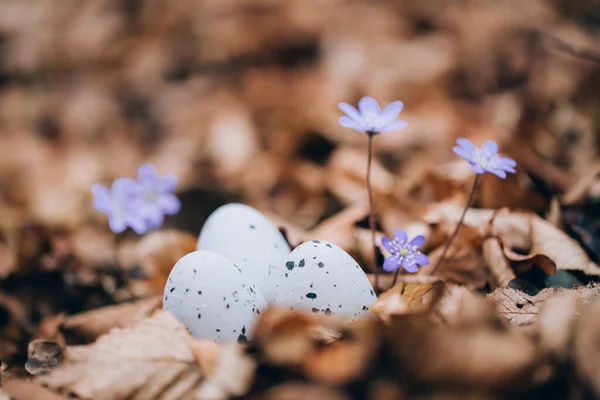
column 479, row 352
column 206, row 353
column 520, row 308
column 403, row 298
column 152, row 359
column 587, row 347
column 346, row 359
column 232, row 375
column 302, row 391
column 555, row 321
column 89, row 325
column 156, row 254
column 19, row 389
column 497, row 263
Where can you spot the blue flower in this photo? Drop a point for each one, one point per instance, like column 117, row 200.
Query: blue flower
column 403, row 252
column 156, row 198
column 370, row 118
column 484, row 159
column 117, row 203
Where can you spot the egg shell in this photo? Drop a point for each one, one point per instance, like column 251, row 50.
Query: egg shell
column 322, row 278
column 212, row 297
column 250, row 240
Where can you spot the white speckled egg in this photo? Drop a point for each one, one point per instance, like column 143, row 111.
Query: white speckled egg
column 212, row 297
column 322, row 278
column 250, row 240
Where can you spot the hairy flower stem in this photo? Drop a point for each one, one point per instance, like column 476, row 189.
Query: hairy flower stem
column 460, row 221
column 372, row 210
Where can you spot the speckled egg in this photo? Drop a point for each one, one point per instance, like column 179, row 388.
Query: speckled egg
column 250, row 240
column 322, row 278
column 212, row 297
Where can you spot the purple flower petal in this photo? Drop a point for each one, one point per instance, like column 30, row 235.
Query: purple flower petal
column 139, row 225
column 167, row 183
column 348, row 122
column 498, row 172
column 391, row 111
column 464, row 153
column 117, row 225
column 489, row 148
column 418, row 241
column 394, row 126
column 401, row 236
column 350, row 111
column 507, row 161
column 421, row 259
column 169, row 204
column 466, row 144
column 387, row 243
column 368, row 105
column 147, row 174
column 102, row 200
column 391, row 263
column 410, row 266
column 124, row 188
column 153, row 216
column 477, row 169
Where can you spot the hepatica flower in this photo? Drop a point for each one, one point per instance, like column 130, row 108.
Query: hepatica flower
column 138, row 204
column 156, row 198
column 369, row 118
column 485, row 158
column 403, row 252
column 117, row 204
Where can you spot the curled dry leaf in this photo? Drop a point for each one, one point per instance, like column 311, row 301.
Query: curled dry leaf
column 206, row 353
column 152, row 359
column 497, row 263
column 520, row 308
column 301, row 342
column 403, row 298
column 232, row 374
column 478, row 352
column 587, row 346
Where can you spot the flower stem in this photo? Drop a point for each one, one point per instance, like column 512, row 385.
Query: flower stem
column 460, row 221
column 372, row 211
column 396, row 276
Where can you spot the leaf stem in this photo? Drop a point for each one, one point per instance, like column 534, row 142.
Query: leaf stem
column 372, row 210
column 460, row 221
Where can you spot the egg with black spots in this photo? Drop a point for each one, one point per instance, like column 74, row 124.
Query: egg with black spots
column 250, row 240
column 212, row 297
column 322, row 278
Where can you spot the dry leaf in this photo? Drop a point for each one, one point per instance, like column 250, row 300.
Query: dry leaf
column 91, row 324
column 206, row 353
column 232, row 375
column 587, row 347
column 555, row 320
column 520, row 308
column 478, row 352
column 496, row 261
column 152, row 359
column 403, row 298
column 26, row 390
